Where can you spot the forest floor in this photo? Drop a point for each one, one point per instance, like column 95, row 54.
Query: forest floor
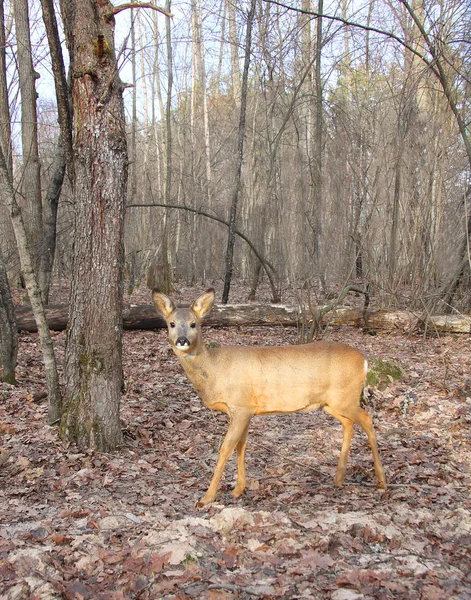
column 84, row 525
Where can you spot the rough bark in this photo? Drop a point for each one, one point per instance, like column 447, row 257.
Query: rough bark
column 93, row 366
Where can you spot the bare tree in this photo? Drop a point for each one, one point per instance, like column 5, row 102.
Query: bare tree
column 234, row 50
column 11, row 202
column 441, row 59
column 160, row 271
column 5, row 127
column 8, row 195
column 31, row 172
column 240, row 157
column 60, row 83
column 8, row 331
column 201, row 78
column 40, row 213
column 317, row 161
column 167, row 274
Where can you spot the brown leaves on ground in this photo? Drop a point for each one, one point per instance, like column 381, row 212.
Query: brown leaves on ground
column 89, row 526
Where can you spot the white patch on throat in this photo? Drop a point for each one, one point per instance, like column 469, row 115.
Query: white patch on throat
column 182, row 347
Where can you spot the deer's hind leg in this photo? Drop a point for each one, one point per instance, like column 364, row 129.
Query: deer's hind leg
column 347, row 434
column 364, row 420
column 347, row 418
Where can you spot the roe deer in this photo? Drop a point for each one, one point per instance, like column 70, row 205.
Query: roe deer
column 244, row 381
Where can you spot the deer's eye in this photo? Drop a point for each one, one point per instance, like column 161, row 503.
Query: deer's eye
column 192, row 325
column 172, row 324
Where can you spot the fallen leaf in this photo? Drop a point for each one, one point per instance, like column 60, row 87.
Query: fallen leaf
column 312, row 558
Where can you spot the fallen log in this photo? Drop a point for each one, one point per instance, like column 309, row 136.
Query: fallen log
column 144, row 316
column 141, row 316
column 448, row 324
column 56, row 316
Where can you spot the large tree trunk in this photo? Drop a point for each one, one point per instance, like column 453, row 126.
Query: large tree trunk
column 93, row 367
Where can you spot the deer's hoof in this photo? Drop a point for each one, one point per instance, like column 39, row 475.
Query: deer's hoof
column 206, row 499
column 238, row 491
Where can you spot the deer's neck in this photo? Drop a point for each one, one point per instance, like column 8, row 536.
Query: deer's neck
column 197, row 367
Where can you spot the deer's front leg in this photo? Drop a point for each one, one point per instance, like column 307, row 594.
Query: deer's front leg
column 238, row 427
column 241, row 445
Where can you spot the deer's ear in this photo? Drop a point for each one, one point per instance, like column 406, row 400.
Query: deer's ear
column 162, row 303
column 202, row 305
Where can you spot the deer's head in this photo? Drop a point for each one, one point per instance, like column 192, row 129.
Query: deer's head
column 184, row 324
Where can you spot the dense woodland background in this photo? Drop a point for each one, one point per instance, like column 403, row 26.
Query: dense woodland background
column 313, row 149
column 353, row 163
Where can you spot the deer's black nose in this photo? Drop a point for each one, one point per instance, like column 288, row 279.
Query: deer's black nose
column 182, row 342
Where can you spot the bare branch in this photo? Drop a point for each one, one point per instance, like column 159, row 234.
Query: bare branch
column 434, row 63
column 443, row 78
column 388, row 34
column 118, row 9
column 267, row 266
column 203, row 213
